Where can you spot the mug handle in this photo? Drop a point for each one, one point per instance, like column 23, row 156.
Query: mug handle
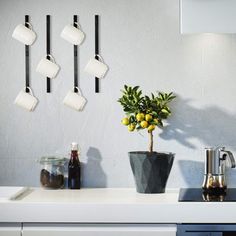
column 30, row 26
column 51, row 57
column 100, row 58
column 77, row 24
column 31, row 92
column 79, row 91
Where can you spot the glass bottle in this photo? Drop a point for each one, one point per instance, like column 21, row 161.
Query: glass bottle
column 74, row 168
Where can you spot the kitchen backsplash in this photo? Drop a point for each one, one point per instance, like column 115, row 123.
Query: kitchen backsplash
column 142, row 46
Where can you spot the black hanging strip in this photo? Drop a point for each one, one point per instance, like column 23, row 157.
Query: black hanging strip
column 96, row 49
column 48, row 49
column 75, row 20
column 27, row 84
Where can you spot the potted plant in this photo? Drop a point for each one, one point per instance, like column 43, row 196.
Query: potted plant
column 151, row 169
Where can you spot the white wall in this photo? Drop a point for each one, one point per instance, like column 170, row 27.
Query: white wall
column 140, row 42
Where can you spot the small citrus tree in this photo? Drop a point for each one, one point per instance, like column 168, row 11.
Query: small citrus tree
column 144, row 112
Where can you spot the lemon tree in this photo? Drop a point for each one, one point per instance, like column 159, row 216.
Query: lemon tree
column 144, row 112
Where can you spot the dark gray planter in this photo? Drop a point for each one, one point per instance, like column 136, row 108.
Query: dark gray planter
column 151, row 170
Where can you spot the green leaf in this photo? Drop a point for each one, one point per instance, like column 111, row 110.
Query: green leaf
column 160, row 123
column 126, row 110
column 135, row 88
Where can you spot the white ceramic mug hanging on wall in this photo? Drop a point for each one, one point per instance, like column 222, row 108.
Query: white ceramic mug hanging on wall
column 96, row 68
column 75, row 100
column 23, row 34
column 73, row 34
column 48, row 68
column 26, row 100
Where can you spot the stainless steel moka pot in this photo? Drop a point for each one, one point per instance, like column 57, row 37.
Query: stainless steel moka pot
column 214, row 177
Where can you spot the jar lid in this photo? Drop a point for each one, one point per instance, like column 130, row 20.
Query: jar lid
column 53, row 160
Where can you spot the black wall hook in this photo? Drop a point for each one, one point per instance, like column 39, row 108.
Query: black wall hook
column 48, row 48
column 27, row 83
column 96, row 49
column 75, row 21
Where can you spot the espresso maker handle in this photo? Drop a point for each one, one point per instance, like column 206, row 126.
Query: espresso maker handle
column 231, row 157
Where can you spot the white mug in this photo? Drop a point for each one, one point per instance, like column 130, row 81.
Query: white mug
column 96, row 68
column 72, row 34
column 26, row 100
column 74, row 100
column 48, row 68
column 23, row 34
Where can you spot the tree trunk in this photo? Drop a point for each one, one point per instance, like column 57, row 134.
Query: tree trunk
column 150, row 141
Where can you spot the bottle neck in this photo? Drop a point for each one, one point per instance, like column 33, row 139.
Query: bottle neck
column 74, row 155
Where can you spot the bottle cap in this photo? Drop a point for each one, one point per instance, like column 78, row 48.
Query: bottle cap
column 74, row 146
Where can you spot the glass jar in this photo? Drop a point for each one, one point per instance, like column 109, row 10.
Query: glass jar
column 53, row 172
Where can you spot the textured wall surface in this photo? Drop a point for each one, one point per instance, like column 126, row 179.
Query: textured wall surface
column 141, row 43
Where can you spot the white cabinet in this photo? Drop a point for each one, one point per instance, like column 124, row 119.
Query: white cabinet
column 99, row 230
column 10, row 229
column 207, row 16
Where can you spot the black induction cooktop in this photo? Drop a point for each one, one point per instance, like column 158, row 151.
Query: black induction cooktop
column 197, row 195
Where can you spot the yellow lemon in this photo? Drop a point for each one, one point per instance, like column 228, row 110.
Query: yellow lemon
column 151, row 128
column 140, row 117
column 125, row 121
column 155, row 121
column 164, row 111
column 148, row 117
column 131, row 127
column 144, row 124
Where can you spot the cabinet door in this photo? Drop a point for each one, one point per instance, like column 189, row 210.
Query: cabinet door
column 99, row 230
column 10, row 230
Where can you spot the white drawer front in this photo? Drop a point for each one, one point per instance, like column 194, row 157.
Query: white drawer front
column 10, row 230
column 96, row 230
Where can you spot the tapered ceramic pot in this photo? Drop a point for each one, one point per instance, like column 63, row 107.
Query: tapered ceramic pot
column 151, row 170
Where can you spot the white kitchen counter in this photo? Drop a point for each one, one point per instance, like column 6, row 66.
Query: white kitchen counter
column 112, row 206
